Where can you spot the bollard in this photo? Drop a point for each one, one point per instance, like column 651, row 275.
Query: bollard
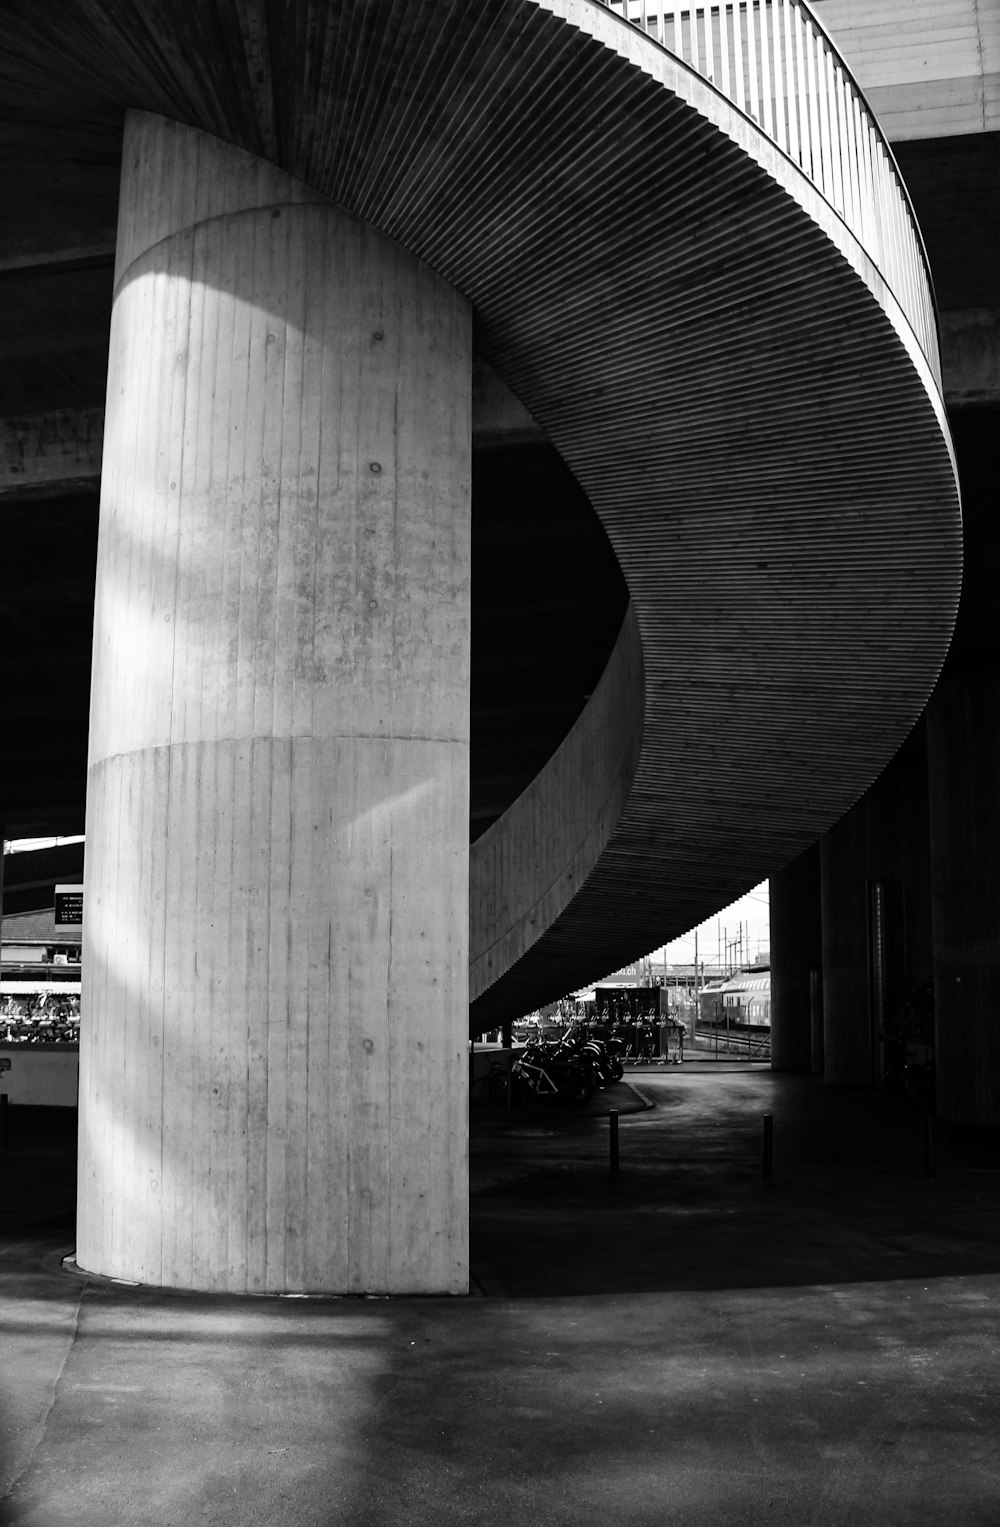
column 507, row 1035
column 613, row 1121
column 929, row 1146
column 768, row 1145
column 3, row 1121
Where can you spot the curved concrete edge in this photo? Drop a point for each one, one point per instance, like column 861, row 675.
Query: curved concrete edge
column 650, row 56
column 572, row 430
column 162, row 154
column 528, row 866
column 645, row 1100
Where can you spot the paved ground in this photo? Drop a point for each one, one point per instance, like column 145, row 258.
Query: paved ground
column 689, row 1344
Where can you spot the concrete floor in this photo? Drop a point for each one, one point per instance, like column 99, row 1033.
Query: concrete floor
column 689, row 1344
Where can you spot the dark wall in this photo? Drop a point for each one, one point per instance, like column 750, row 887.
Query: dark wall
column 882, row 840
column 796, row 951
column 963, row 721
column 548, row 600
column 932, row 820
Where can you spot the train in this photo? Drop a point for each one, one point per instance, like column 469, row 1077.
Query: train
column 741, row 1001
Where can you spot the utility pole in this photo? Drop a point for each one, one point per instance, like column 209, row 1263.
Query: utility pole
column 697, row 992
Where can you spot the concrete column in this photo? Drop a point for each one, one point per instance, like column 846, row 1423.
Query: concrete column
column 273, row 1065
column 796, row 951
column 879, row 851
column 963, row 723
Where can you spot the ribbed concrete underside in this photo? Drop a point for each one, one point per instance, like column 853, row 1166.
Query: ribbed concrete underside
column 723, row 375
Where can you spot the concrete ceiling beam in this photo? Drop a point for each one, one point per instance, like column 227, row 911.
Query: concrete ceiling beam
column 60, row 451
column 51, row 453
column 970, row 356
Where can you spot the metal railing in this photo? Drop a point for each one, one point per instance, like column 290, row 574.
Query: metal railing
column 731, row 1043
column 773, row 60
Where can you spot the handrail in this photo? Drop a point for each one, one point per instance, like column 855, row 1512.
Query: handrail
column 773, row 60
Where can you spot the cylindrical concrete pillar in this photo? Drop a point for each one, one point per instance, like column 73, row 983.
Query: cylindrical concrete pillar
column 963, row 727
column 796, row 952
column 273, row 1055
column 875, row 876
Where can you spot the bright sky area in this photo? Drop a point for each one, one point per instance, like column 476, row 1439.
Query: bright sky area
column 752, row 910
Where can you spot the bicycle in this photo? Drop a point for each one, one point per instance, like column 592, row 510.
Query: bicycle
column 547, row 1076
column 490, row 1089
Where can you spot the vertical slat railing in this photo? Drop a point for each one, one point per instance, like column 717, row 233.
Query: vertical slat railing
column 804, row 97
column 815, row 111
column 705, row 11
column 752, row 75
column 738, row 67
column 792, row 95
column 823, row 179
column 882, row 207
column 835, row 155
column 843, row 137
column 780, row 101
column 868, row 193
column 841, row 144
column 890, row 220
column 725, row 11
column 765, row 72
column 857, row 222
column 774, row 61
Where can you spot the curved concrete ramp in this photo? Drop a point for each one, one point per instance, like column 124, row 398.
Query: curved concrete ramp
column 727, row 334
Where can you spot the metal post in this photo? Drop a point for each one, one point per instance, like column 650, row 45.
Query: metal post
column 816, row 1021
column 613, row 1122
column 768, row 1146
column 929, row 1146
column 878, row 977
column 508, row 1045
column 697, row 984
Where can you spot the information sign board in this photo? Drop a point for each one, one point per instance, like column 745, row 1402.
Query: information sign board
column 69, row 911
